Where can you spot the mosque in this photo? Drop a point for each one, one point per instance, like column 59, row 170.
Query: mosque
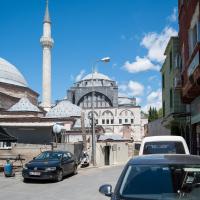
column 116, row 115
column 30, row 122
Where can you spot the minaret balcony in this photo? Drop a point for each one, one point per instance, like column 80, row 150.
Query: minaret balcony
column 47, row 42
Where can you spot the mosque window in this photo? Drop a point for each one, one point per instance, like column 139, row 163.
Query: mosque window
column 112, row 121
column 132, row 121
column 126, row 120
column 107, row 121
column 120, row 121
column 103, row 121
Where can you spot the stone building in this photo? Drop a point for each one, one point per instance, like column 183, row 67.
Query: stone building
column 117, row 115
column 189, row 37
column 174, row 111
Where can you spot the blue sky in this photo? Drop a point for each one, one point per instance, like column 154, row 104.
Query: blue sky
column 134, row 33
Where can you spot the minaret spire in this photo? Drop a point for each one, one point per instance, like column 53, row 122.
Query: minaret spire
column 47, row 16
column 47, row 43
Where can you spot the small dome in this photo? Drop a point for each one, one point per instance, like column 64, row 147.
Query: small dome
column 126, row 101
column 24, row 105
column 96, row 75
column 10, row 74
column 64, row 109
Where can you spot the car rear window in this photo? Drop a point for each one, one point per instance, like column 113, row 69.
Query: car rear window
column 164, row 147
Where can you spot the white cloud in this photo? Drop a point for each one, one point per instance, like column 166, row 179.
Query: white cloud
column 156, row 43
column 122, row 87
column 132, row 88
column 140, row 64
column 149, row 89
column 136, row 89
column 173, row 16
column 138, row 100
column 80, row 75
column 154, row 99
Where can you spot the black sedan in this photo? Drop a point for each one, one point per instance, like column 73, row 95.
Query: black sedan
column 156, row 177
column 52, row 165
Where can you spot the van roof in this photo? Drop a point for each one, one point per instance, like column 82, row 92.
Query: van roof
column 163, row 138
column 165, row 159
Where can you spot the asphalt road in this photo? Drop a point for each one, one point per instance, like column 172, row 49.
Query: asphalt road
column 83, row 186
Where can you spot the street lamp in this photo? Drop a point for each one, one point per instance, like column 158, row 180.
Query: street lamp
column 105, row 59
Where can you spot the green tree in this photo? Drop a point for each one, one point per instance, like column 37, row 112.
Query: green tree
column 160, row 113
column 153, row 114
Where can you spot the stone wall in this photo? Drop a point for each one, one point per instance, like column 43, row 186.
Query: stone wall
column 26, row 151
column 29, row 151
column 119, row 153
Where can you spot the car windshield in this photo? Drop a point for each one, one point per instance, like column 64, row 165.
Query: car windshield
column 161, row 182
column 164, row 147
column 49, row 156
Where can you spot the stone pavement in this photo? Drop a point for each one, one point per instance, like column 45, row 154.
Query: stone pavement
column 83, row 186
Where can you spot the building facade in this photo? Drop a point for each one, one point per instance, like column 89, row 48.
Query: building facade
column 174, row 111
column 189, row 34
column 117, row 115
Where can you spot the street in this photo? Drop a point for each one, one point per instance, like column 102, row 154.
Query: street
column 82, row 186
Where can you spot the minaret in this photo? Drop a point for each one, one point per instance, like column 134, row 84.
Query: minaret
column 47, row 43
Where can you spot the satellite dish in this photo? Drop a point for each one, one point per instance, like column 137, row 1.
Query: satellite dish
column 57, row 128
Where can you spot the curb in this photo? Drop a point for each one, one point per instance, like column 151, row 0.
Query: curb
column 105, row 166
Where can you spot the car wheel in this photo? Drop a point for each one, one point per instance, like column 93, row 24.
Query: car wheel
column 25, row 180
column 59, row 176
column 75, row 170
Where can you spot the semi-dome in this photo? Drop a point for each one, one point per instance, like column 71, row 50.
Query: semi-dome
column 64, row 109
column 10, row 74
column 96, row 75
column 24, row 105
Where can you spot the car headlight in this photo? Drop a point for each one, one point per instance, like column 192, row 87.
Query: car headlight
column 25, row 167
column 50, row 169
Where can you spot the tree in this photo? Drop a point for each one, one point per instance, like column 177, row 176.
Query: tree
column 153, row 114
column 160, row 113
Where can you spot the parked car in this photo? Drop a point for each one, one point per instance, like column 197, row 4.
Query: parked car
column 51, row 165
column 163, row 145
column 156, row 177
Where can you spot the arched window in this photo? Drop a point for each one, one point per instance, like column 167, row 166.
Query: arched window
column 99, row 100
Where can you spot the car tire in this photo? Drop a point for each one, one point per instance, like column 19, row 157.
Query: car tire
column 59, row 176
column 75, row 170
column 25, row 180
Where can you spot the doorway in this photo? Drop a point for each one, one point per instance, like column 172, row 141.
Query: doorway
column 107, row 155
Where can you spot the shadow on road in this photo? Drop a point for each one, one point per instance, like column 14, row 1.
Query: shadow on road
column 34, row 181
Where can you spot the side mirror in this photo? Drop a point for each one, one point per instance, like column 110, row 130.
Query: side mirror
column 106, row 190
column 34, row 158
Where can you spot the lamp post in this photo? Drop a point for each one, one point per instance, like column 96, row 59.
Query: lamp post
column 106, row 59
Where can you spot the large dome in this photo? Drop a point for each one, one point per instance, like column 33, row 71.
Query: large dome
column 10, row 74
column 96, row 75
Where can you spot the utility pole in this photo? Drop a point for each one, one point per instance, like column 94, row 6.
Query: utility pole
column 105, row 60
column 83, row 131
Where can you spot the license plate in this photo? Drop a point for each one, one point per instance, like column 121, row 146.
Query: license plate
column 34, row 173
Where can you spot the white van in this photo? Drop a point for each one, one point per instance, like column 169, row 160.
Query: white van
column 163, row 145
